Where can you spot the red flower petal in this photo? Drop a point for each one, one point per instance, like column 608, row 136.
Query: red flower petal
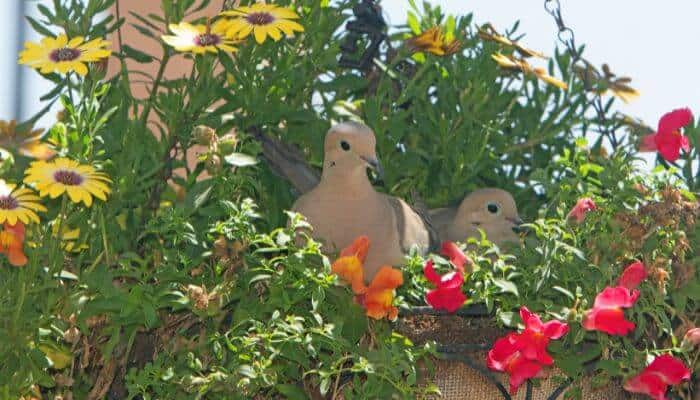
column 533, row 346
column 582, row 207
column 455, row 254
column 609, row 320
column 669, row 145
column 555, row 329
column 654, row 379
column 358, row 248
column 531, row 320
column 674, row 120
column 430, row 274
column 617, row 296
column 633, row 275
column 450, row 299
column 504, row 356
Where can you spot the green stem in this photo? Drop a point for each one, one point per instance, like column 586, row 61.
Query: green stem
column 156, row 85
column 55, row 249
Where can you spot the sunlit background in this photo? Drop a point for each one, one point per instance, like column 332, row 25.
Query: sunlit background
column 653, row 42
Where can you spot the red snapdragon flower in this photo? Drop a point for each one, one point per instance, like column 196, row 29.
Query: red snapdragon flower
column 607, row 314
column 447, row 294
column 582, row 207
column 522, row 355
column 668, row 139
column 536, row 336
column 654, row 380
column 633, row 275
column 506, row 356
column 12, row 243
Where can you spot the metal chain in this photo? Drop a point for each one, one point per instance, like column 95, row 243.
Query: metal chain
column 567, row 38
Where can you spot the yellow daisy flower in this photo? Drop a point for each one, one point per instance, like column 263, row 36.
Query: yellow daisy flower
column 199, row 39
column 434, row 41
column 514, row 64
column 63, row 175
column 27, row 143
column 262, row 20
column 63, row 55
column 18, row 204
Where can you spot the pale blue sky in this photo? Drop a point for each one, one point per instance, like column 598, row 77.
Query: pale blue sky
column 654, row 42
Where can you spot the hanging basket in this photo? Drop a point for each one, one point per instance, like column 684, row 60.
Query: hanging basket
column 461, row 372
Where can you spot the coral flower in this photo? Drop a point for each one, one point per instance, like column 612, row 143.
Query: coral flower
column 63, row 55
column 582, row 207
column 63, row 175
column 349, row 265
column 199, row 39
column 12, row 243
column 18, row 204
column 506, row 356
column 533, row 341
column 654, row 380
column 378, row 298
column 434, row 41
column 633, row 275
column 262, row 20
column 607, row 314
column 456, row 256
column 27, row 142
column 668, row 139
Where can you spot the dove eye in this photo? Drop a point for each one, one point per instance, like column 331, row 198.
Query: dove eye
column 493, row 208
column 344, row 145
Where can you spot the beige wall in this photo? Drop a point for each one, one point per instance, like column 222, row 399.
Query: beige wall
column 178, row 65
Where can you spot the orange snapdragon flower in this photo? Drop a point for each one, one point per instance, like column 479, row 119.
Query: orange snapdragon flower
column 378, row 297
column 12, row 243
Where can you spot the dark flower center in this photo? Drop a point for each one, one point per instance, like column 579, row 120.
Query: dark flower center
column 207, row 39
column 64, row 54
column 69, row 178
column 8, row 203
column 260, row 18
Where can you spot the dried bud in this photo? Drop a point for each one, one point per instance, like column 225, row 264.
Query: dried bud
column 221, row 247
column 197, row 271
column 96, row 320
column 71, row 335
column 204, row 135
column 643, row 190
column 61, row 116
column 213, row 164
column 199, row 296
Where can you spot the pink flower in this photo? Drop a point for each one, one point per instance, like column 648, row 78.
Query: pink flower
column 633, row 275
column 536, row 336
column 668, row 139
column 692, row 337
column 456, row 256
column 654, row 380
column 608, row 315
column 583, row 206
column 506, row 356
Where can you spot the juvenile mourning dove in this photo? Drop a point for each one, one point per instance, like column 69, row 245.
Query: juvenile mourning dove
column 344, row 205
column 492, row 210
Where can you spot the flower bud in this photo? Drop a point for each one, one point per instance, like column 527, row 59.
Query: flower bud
column 227, row 144
column 213, row 164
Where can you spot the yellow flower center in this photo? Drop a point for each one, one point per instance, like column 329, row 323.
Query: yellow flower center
column 8, row 203
column 260, row 18
column 207, row 39
column 64, row 54
column 68, row 178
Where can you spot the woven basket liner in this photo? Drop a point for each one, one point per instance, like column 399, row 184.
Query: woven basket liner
column 457, row 381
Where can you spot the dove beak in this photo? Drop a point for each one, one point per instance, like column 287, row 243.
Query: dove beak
column 517, row 225
column 375, row 165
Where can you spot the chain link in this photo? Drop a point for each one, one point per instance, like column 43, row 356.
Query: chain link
column 567, row 38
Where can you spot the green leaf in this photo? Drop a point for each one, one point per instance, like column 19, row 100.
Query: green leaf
column 39, row 28
column 240, row 160
column 292, row 392
column 137, row 55
column 506, row 286
column 413, row 23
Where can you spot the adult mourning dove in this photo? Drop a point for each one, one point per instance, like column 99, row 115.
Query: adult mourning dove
column 344, row 204
column 492, row 210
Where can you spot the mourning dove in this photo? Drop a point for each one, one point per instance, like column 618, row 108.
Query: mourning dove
column 345, row 205
column 492, row 210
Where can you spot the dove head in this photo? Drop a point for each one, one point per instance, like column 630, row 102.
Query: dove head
column 492, row 210
column 349, row 149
